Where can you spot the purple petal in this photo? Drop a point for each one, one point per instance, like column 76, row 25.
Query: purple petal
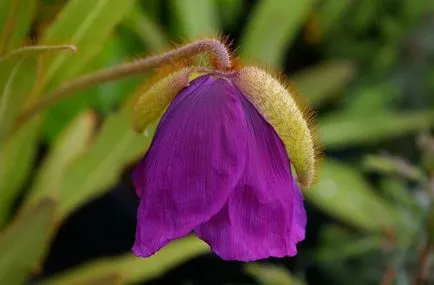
column 264, row 215
column 193, row 164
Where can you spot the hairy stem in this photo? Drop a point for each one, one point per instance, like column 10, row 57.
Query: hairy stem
column 216, row 49
column 35, row 49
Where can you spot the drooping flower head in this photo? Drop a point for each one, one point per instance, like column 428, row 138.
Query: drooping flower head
column 219, row 164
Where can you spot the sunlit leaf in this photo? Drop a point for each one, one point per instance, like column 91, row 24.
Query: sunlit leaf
column 131, row 269
column 18, row 76
column 24, row 242
column 15, row 88
column 68, row 146
column 103, row 98
column 268, row 274
column 149, row 32
column 196, row 18
column 330, row 13
column 106, row 97
column 230, row 12
column 271, row 29
column 87, row 24
column 323, row 82
column 344, row 194
column 99, row 168
column 393, row 165
column 370, row 99
column 343, row 130
column 17, row 158
column 15, row 19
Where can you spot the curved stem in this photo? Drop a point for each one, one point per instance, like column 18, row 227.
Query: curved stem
column 35, row 49
column 216, row 49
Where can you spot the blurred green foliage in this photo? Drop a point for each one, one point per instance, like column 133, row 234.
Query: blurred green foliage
column 372, row 85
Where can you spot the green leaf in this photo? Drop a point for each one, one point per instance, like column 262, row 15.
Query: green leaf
column 268, row 274
column 344, row 250
column 343, row 130
column 271, row 29
column 230, row 12
column 393, row 165
column 15, row 88
column 104, row 98
column 149, row 32
column 196, row 18
column 69, row 145
column 371, row 99
column 18, row 75
column 330, row 13
column 131, row 269
column 322, row 82
column 99, row 168
column 335, row 234
column 414, row 10
column 15, row 19
column 24, row 242
column 87, row 24
column 344, row 194
column 17, row 157
column 397, row 191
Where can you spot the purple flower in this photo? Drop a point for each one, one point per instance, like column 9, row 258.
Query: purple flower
column 218, row 168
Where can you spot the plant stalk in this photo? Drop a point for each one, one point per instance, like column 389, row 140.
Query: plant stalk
column 216, row 49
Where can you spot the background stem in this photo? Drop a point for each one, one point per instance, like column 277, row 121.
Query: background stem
column 216, row 49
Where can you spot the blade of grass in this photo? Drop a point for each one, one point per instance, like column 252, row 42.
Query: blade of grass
column 131, row 269
column 343, row 193
column 149, row 32
column 271, row 29
column 15, row 19
column 268, row 274
column 86, row 24
column 95, row 171
column 344, row 130
column 322, row 82
column 17, row 158
column 196, row 18
column 24, row 242
column 72, row 142
column 18, row 77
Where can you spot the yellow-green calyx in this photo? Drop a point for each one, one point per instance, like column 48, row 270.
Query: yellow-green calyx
column 272, row 100
column 279, row 108
column 155, row 100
